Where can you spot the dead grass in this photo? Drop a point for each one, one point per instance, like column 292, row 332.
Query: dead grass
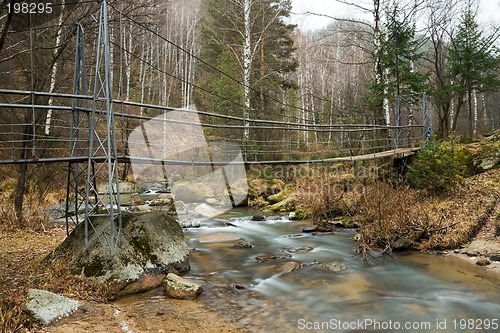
column 58, row 279
column 394, row 216
column 34, row 215
column 389, row 215
column 22, row 254
column 390, row 218
column 464, row 212
column 13, row 317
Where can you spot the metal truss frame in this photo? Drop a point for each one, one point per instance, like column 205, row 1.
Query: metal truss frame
column 100, row 150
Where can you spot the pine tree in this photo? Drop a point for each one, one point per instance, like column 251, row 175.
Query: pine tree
column 474, row 63
column 249, row 41
column 400, row 53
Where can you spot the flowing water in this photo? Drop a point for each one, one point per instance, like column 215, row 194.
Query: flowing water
column 415, row 293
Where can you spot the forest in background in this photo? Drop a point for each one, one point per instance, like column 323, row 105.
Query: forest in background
column 243, row 58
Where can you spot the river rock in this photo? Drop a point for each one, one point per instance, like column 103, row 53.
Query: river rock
column 334, row 266
column 161, row 202
column 190, row 223
column 140, row 208
column 258, row 218
column 178, row 208
column 483, row 262
column 190, row 192
column 289, row 267
column 136, row 199
column 298, row 214
column 310, row 228
column 345, row 223
column 269, row 257
column 242, row 244
column 152, row 243
column 495, row 257
column 145, row 282
column 46, row 307
column 293, row 250
column 286, row 205
column 213, row 202
column 205, row 210
column 220, row 237
column 180, row 288
column 59, row 211
column 405, row 243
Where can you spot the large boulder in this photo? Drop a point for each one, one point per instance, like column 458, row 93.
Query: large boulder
column 152, row 244
column 46, row 307
column 189, row 192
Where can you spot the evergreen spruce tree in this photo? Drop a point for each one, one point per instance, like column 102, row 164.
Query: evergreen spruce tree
column 400, row 53
column 474, row 63
column 250, row 41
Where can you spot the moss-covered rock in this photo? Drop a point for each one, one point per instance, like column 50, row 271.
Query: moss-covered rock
column 152, row 243
column 180, row 288
column 286, row 205
column 299, row 214
column 266, row 187
column 275, row 198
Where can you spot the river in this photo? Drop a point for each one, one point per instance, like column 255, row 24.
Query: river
column 414, row 293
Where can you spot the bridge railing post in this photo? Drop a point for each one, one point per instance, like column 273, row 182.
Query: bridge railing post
column 427, row 128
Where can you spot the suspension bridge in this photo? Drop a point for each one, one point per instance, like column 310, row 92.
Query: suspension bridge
column 92, row 133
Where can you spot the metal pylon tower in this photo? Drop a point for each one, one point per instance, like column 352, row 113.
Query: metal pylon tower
column 101, row 152
column 79, row 126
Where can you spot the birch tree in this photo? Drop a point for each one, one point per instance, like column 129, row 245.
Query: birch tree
column 248, row 41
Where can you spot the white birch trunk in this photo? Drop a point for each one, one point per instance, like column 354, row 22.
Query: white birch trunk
column 53, row 74
column 142, row 72
column 247, row 62
column 128, row 65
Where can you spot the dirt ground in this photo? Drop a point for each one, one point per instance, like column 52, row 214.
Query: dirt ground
column 171, row 316
column 484, row 245
column 20, row 255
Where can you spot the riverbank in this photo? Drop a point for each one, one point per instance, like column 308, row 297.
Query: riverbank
column 20, row 256
column 470, row 213
column 484, row 249
column 153, row 312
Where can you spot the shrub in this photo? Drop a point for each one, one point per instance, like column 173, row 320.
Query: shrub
column 327, row 197
column 390, row 219
column 437, row 168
